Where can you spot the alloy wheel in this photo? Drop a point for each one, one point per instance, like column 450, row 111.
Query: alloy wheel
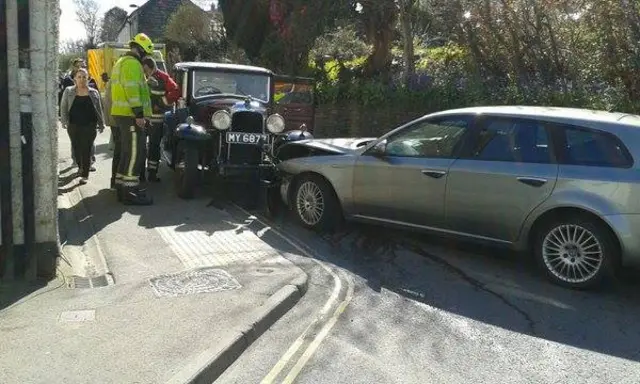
column 572, row 253
column 310, row 203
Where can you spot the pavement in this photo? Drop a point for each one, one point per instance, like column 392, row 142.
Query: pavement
column 174, row 292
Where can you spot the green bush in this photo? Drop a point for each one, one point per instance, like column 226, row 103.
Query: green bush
column 453, row 82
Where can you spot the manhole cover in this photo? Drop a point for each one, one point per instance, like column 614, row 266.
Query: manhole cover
column 204, row 280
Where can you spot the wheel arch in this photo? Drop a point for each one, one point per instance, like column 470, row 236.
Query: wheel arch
column 296, row 179
column 564, row 211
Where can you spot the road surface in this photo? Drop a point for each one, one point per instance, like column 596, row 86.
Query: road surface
column 434, row 311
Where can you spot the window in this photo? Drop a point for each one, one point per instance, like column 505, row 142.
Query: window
column 512, row 140
column 210, row 82
column 429, row 138
column 594, row 148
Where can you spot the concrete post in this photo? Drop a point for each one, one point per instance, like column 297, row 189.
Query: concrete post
column 44, row 16
column 30, row 229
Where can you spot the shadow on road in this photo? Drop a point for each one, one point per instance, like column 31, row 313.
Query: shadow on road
column 485, row 284
column 13, row 291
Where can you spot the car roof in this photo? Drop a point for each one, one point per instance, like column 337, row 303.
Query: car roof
column 222, row 66
column 549, row 113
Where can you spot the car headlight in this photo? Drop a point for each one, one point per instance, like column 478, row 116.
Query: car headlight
column 221, row 120
column 275, row 123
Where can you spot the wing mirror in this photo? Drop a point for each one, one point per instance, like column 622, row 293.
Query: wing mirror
column 380, row 149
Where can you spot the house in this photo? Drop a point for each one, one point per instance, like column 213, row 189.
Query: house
column 150, row 18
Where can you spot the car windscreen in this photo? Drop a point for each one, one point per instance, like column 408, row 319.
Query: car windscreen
column 211, row 82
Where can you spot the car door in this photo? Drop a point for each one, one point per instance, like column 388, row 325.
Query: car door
column 404, row 182
column 508, row 171
column 294, row 100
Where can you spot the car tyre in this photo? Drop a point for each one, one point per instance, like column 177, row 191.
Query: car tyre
column 187, row 175
column 315, row 204
column 577, row 252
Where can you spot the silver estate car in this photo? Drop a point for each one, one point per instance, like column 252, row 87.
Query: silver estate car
column 560, row 183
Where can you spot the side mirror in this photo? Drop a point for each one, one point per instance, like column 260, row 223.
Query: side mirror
column 379, row 150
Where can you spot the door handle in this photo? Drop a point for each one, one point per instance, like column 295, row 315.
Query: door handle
column 532, row 181
column 434, row 174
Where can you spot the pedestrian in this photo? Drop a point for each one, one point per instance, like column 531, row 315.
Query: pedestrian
column 131, row 108
column 66, row 81
column 164, row 93
column 81, row 115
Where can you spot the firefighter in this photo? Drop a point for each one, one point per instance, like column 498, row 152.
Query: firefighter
column 131, row 108
column 164, row 93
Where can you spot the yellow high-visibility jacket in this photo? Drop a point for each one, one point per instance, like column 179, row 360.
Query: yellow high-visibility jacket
column 130, row 96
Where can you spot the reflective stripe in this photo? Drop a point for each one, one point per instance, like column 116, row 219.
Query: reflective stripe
column 134, row 152
column 131, row 183
column 157, row 93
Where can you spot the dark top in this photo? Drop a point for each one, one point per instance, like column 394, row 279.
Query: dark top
column 83, row 112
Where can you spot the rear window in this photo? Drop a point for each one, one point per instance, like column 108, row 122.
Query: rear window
column 594, row 148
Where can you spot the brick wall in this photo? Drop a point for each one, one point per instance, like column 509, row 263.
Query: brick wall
column 357, row 121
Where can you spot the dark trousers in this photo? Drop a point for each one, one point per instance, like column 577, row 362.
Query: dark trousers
column 132, row 151
column 155, row 137
column 117, row 152
column 82, row 138
column 143, row 164
column 93, row 153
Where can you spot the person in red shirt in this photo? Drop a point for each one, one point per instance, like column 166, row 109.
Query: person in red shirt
column 164, row 93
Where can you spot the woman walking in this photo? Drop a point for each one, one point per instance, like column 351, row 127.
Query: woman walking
column 81, row 114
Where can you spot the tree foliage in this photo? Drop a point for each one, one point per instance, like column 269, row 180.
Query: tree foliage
column 111, row 23
column 197, row 35
column 279, row 33
column 87, row 13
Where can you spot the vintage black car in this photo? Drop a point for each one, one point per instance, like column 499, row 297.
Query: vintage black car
column 227, row 122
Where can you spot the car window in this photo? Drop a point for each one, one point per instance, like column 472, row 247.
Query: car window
column 594, row 148
column 512, row 140
column 210, row 82
column 428, row 138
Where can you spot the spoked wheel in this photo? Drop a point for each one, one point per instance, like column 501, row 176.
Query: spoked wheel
column 187, row 173
column 315, row 204
column 577, row 253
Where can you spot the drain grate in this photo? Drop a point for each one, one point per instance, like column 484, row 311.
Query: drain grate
column 89, row 282
column 203, row 280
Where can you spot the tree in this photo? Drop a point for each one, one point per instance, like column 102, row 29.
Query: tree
column 378, row 18
column 196, row 33
column 87, row 14
column 247, row 24
column 279, row 33
column 111, row 23
column 406, row 22
column 69, row 50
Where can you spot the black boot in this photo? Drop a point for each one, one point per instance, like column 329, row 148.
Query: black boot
column 153, row 176
column 119, row 192
column 135, row 196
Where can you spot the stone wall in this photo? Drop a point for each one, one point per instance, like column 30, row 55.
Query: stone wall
column 358, row 121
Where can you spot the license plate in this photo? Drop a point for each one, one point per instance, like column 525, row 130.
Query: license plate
column 246, row 138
